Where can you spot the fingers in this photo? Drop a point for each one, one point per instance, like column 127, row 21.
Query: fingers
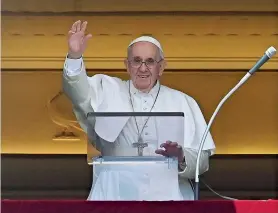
column 171, row 149
column 87, row 37
column 70, row 33
column 83, row 26
column 161, row 152
column 174, row 152
column 79, row 26
column 169, row 153
column 169, row 144
column 74, row 26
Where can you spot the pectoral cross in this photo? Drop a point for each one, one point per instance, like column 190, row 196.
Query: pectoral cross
column 140, row 145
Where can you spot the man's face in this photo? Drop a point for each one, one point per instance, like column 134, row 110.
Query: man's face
column 144, row 75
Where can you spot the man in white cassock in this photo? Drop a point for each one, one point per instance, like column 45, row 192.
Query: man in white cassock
column 145, row 63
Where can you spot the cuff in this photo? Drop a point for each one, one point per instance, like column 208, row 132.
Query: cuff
column 73, row 67
column 182, row 165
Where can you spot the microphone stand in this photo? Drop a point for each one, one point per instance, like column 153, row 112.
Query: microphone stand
column 269, row 53
column 197, row 189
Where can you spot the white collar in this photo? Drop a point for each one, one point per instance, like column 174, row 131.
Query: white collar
column 153, row 92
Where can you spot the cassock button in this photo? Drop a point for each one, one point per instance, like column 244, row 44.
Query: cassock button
column 146, row 133
column 144, row 108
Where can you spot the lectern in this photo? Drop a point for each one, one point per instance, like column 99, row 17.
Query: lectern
column 127, row 167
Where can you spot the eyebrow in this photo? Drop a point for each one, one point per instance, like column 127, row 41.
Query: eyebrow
column 141, row 58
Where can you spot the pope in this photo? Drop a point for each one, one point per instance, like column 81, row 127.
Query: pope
column 143, row 92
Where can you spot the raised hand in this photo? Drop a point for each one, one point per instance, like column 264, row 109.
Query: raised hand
column 171, row 149
column 77, row 40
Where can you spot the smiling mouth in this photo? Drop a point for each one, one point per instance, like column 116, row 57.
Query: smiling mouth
column 143, row 76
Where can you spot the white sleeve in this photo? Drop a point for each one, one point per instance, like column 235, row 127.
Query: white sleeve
column 82, row 92
column 197, row 121
column 200, row 127
column 190, row 156
column 73, row 67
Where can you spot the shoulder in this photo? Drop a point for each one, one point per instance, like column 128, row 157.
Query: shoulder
column 183, row 100
column 106, row 80
column 177, row 93
column 179, row 96
column 104, row 77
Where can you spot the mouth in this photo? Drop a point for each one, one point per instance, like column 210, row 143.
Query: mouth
column 143, row 76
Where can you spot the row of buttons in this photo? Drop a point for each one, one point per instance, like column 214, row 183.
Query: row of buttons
column 145, row 108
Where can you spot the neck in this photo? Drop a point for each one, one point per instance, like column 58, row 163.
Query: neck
column 147, row 90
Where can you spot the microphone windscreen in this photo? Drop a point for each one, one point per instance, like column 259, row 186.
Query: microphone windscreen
column 270, row 52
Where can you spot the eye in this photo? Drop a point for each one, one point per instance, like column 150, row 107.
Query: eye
column 137, row 59
column 150, row 61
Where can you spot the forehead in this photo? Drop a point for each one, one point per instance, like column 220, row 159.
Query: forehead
column 144, row 50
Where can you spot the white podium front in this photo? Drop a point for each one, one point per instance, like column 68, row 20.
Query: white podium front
column 127, row 167
column 135, row 178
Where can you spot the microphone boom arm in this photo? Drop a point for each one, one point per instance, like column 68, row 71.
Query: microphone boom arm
column 245, row 78
column 268, row 54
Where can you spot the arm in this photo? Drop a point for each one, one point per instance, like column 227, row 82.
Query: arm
column 76, row 84
column 77, row 88
column 188, row 167
column 85, row 93
column 187, row 158
column 75, row 80
column 190, row 152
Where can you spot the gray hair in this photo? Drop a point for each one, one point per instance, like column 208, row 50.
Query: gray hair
column 161, row 55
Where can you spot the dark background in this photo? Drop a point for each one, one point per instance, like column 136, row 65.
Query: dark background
column 69, row 177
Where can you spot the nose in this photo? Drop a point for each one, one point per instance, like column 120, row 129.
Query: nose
column 143, row 67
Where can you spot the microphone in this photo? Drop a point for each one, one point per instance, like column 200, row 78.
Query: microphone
column 268, row 54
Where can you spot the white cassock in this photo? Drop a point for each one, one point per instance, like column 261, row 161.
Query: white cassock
column 102, row 93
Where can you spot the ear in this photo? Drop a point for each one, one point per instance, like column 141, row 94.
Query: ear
column 126, row 65
column 162, row 67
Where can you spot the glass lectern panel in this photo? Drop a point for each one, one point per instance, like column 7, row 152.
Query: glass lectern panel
column 123, row 154
column 131, row 134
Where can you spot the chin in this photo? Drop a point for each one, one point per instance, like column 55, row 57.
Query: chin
column 143, row 84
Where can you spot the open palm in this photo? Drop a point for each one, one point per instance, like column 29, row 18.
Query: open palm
column 77, row 40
